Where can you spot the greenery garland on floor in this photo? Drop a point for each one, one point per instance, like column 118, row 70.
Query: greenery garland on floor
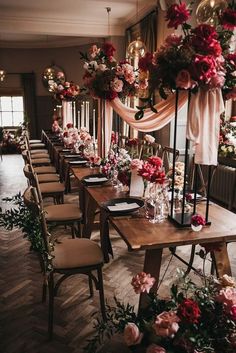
column 23, row 218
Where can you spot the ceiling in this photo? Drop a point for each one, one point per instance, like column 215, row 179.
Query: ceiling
column 54, row 23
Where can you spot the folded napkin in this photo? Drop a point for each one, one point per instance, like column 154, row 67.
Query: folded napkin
column 78, row 162
column 95, row 179
column 123, row 206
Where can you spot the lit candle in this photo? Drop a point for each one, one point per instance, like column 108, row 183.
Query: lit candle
column 74, row 114
column 87, row 116
column 78, row 124
column 82, row 114
column 94, row 126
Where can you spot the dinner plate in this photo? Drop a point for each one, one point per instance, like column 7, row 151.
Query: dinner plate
column 79, row 162
column 73, row 156
column 123, row 205
column 95, row 179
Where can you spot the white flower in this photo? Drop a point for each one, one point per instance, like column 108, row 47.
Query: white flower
column 117, row 85
column 102, row 67
column 149, row 138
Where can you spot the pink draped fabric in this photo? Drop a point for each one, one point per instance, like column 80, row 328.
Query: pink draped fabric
column 151, row 121
column 204, row 123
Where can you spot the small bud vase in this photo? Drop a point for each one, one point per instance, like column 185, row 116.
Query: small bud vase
column 196, row 228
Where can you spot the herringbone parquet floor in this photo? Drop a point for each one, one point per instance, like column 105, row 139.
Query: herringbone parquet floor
column 23, row 318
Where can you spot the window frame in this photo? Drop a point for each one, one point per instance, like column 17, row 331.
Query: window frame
column 12, row 96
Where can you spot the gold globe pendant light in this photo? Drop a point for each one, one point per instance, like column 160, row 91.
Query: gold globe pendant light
column 136, row 48
column 208, row 11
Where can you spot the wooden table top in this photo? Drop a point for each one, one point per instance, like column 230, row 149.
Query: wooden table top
column 139, row 233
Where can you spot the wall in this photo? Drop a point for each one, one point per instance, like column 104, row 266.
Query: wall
column 36, row 60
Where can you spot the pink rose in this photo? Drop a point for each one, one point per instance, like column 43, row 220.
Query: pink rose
column 142, row 282
column 94, row 51
column 183, row 80
column 132, row 335
column 149, row 138
column 173, row 40
column 153, row 348
column 218, row 80
column 117, row 85
column 136, row 164
column 166, row 324
column 227, row 297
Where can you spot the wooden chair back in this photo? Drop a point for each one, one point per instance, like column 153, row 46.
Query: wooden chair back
column 167, row 157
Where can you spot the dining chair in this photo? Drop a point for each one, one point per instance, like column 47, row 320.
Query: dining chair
column 65, row 258
column 62, row 214
column 167, row 157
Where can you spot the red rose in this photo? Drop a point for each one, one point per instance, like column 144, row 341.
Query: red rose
column 146, row 62
column 203, row 68
column 205, row 31
column 69, row 125
column 177, row 14
column 188, row 311
column 155, row 161
column 228, row 19
column 231, row 58
column 108, row 49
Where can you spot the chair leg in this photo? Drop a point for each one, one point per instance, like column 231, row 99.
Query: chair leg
column 50, row 304
column 101, row 293
column 90, row 286
column 78, row 230
column 73, row 231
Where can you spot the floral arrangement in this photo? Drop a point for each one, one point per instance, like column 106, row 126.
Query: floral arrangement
column 104, row 77
column 196, row 318
column 72, row 136
column 198, row 58
column 198, row 220
column 9, row 142
column 179, row 176
column 67, row 91
column 152, row 170
column 227, row 140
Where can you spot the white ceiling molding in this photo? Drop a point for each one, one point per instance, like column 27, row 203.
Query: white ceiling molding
column 80, row 18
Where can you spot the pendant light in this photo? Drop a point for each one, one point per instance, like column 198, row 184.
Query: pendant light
column 136, row 48
column 208, row 11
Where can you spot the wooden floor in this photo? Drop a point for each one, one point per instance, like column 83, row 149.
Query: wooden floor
column 23, row 318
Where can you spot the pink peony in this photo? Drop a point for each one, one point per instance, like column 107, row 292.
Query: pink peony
column 142, row 282
column 132, row 335
column 166, row 324
column 177, row 14
column 153, row 348
column 183, row 80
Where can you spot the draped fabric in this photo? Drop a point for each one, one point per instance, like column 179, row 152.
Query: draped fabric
column 204, row 123
column 30, row 108
column 150, row 122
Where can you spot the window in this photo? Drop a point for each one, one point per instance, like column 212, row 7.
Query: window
column 11, row 110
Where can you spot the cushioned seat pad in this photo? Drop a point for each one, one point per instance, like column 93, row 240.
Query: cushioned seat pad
column 45, row 170
column 33, row 152
column 48, row 178
column 41, row 161
column 37, row 145
column 35, row 141
column 40, row 155
column 48, row 188
column 60, row 213
column 73, row 253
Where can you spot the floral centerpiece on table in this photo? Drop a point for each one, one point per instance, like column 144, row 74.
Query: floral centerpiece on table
column 63, row 91
column 179, row 176
column 104, row 77
column 196, row 318
column 199, row 58
column 70, row 135
column 227, row 140
column 152, row 170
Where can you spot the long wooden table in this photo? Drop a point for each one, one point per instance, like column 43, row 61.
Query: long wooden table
column 140, row 234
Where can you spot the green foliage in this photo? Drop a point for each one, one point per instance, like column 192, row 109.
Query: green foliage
column 22, row 218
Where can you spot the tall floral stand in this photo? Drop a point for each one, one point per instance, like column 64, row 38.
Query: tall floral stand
column 105, row 115
column 204, row 111
column 67, row 115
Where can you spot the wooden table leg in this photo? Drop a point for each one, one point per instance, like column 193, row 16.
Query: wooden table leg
column 90, row 209
column 222, row 260
column 152, row 265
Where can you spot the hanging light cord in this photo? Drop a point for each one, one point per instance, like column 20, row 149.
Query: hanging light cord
column 108, row 21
